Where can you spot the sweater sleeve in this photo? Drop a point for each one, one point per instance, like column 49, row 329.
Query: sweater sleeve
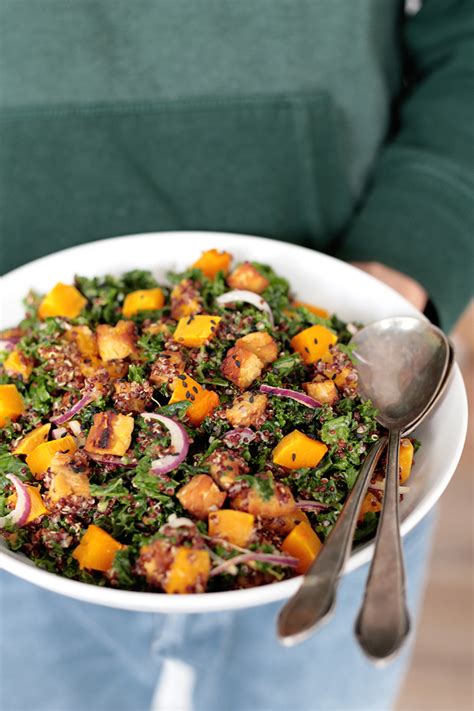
column 418, row 213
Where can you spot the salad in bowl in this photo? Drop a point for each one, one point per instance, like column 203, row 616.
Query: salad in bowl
column 196, row 436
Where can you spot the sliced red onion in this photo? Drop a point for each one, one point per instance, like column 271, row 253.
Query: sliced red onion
column 110, row 460
column 22, row 508
column 285, row 560
column 69, row 414
column 302, row 398
column 312, row 506
column 241, row 435
column 8, row 344
column 249, row 297
column 58, row 432
column 179, row 444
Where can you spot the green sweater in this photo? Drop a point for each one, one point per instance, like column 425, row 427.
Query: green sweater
column 342, row 125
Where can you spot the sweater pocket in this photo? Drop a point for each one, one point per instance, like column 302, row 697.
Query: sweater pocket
column 268, row 165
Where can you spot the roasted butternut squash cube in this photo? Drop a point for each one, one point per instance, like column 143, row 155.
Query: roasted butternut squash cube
column 203, row 402
column 84, row 339
column 225, row 467
column 97, row 550
column 237, row 527
column 11, row 404
column 143, row 300
column 316, row 310
column 116, row 342
column 68, row 484
column 189, row 572
column 185, row 299
column 405, row 459
column 247, row 277
column 17, row 365
column 212, row 262
column 324, row 391
column 195, row 331
column 37, row 507
column 303, row 544
column 247, row 409
column 313, row 343
column 370, row 504
column 261, row 344
column 166, row 368
column 63, row 300
column 40, row 459
column 280, row 503
column 282, row 525
column 241, row 367
column 110, row 434
column 297, row 450
column 200, row 496
column 32, row 440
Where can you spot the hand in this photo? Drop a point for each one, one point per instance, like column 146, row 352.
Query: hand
column 405, row 285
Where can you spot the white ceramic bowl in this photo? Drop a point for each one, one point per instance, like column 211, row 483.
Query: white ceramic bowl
column 315, row 278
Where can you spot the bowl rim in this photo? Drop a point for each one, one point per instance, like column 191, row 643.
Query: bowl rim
column 20, row 566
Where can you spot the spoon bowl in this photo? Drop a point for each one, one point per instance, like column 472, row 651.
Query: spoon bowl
column 401, row 363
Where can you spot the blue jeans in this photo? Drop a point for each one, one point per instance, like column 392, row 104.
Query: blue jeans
column 58, row 654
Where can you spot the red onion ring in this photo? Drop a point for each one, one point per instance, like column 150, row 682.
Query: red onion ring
column 261, row 557
column 22, row 508
column 249, row 297
column 8, row 344
column 179, row 444
column 80, row 404
column 110, row 461
column 311, row 506
column 302, row 398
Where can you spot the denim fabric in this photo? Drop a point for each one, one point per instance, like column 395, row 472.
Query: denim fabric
column 58, row 654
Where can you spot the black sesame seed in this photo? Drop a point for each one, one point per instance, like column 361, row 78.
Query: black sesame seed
column 195, row 389
column 293, row 457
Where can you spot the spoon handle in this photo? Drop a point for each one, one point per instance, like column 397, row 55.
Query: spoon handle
column 383, row 622
column 312, row 605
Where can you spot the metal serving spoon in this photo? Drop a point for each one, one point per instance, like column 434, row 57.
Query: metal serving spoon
column 313, row 604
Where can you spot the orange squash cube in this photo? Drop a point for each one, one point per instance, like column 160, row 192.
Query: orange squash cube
column 316, row 310
column 116, row 342
column 200, row 496
column 69, row 484
column 297, row 450
column 247, row 277
column 212, row 262
column 11, row 404
column 143, row 300
column 63, row 300
column 110, row 434
column 185, row 299
column 37, row 507
column 313, row 343
column 85, row 340
column 370, row 504
column 32, row 440
column 324, row 391
column 189, row 572
column 303, row 544
column 204, row 402
column 40, row 459
column 237, row 527
column 405, row 459
column 280, row 503
column 17, row 365
column 97, row 550
column 195, row 331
